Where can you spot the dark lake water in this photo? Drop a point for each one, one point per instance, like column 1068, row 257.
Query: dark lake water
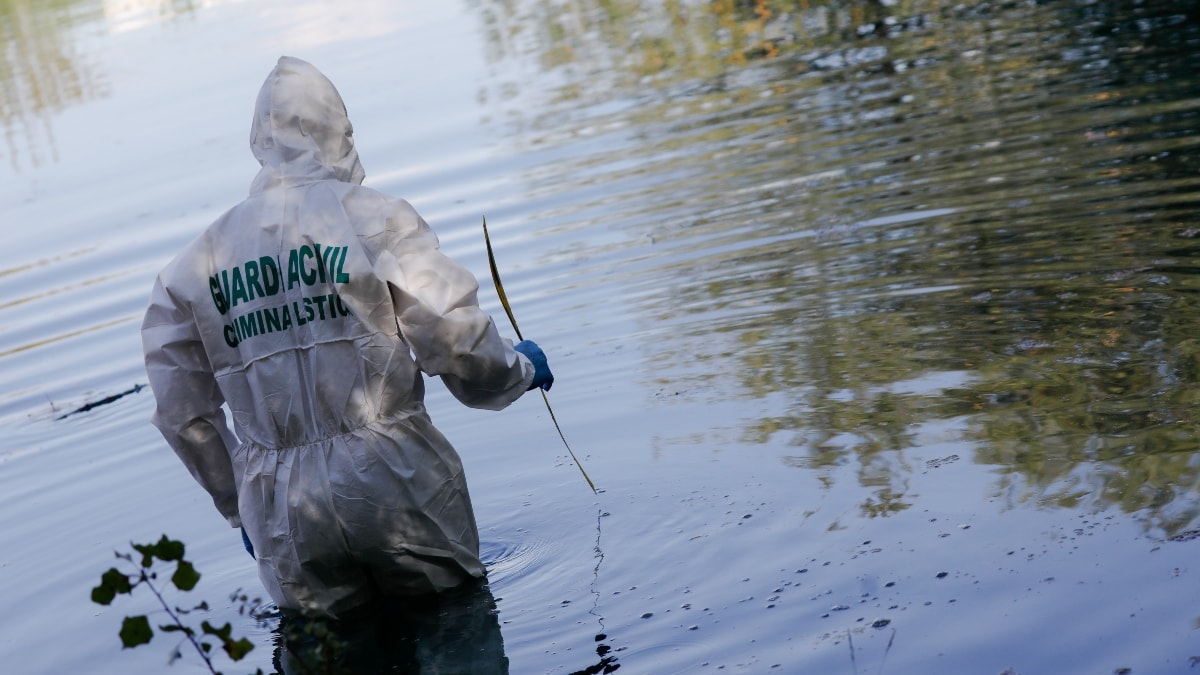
column 876, row 323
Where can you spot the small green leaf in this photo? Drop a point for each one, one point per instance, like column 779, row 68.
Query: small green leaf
column 224, row 632
column 103, row 595
column 135, row 630
column 112, row 582
column 237, row 650
column 164, row 549
column 185, row 577
column 117, row 579
column 168, row 549
column 147, row 552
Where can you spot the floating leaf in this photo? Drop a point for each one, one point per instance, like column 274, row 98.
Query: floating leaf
column 135, row 630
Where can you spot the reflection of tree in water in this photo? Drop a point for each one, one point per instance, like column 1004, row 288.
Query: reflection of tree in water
column 893, row 216
column 40, row 74
column 628, row 40
column 42, row 71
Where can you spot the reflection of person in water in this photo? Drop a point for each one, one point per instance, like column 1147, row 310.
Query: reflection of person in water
column 456, row 631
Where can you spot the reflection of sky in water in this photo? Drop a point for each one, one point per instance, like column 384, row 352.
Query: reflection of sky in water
column 120, row 16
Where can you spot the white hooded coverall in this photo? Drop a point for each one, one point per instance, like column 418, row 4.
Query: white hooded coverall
column 310, row 310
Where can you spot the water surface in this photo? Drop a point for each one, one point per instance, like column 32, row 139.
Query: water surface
column 874, row 322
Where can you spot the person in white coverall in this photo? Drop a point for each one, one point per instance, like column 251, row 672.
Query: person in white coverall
column 311, row 310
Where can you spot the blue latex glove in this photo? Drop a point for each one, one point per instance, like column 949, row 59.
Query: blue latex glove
column 542, row 377
column 247, row 544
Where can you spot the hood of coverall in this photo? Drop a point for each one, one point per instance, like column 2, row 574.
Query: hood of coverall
column 301, row 131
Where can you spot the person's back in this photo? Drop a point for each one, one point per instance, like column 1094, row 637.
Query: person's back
column 302, row 310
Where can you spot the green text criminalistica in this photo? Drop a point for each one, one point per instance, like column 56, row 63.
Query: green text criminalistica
column 262, row 278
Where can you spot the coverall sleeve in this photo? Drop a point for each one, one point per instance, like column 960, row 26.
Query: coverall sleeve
column 437, row 309
column 188, row 409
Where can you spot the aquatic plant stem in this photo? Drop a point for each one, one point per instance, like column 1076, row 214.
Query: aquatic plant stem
column 188, row 633
column 487, row 240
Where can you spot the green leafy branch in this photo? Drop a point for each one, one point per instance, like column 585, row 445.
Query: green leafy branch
column 136, row 630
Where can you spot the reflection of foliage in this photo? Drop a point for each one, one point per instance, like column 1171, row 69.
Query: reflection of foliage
column 889, row 504
column 43, row 72
column 885, row 214
column 39, row 74
column 629, row 40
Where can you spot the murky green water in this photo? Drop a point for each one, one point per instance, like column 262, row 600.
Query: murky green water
column 875, row 322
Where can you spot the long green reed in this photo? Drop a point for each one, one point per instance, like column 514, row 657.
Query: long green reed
column 513, row 320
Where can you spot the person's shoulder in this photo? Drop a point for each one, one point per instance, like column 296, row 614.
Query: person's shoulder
column 368, row 194
column 370, row 203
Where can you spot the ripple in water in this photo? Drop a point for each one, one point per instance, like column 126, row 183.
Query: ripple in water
column 509, row 561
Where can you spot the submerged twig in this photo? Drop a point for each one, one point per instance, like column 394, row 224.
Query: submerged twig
column 96, row 404
column 512, row 319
